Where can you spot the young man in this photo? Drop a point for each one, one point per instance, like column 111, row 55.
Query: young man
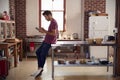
column 50, row 38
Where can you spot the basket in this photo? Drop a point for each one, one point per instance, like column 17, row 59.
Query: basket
column 98, row 40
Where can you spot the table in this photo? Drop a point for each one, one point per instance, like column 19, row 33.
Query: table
column 5, row 46
column 83, row 43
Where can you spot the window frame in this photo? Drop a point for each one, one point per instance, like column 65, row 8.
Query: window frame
column 64, row 15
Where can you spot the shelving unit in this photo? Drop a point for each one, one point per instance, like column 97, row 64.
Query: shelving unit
column 77, row 64
column 36, row 42
column 31, row 53
column 9, row 44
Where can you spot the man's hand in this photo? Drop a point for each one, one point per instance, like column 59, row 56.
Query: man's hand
column 42, row 30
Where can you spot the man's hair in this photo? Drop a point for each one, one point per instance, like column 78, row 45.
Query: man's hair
column 47, row 12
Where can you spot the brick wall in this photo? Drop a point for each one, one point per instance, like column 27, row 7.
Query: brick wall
column 20, row 13
column 92, row 5
column 12, row 9
column 20, row 18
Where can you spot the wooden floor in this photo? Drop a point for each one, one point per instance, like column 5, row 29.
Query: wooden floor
column 28, row 66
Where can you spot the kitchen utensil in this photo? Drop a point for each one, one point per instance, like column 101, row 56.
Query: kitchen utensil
column 75, row 35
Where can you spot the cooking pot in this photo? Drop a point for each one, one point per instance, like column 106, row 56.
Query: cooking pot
column 75, row 35
column 109, row 38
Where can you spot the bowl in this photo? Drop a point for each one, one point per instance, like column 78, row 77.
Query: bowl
column 104, row 62
column 90, row 62
column 90, row 41
column 83, row 61
column 72, row 61
column 61, row 61
column 98, row 40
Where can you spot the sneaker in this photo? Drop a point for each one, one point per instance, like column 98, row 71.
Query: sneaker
column 40, row 73
column 37, row 73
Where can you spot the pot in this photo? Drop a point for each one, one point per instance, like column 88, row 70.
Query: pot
column 75, row 35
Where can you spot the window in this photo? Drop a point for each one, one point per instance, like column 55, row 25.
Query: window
column 57, row 7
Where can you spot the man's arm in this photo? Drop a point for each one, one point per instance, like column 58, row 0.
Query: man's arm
column 53, row 32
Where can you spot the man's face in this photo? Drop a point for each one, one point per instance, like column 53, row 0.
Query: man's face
column 47, row 17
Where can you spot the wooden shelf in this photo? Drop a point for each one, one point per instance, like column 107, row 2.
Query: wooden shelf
column 6, row 46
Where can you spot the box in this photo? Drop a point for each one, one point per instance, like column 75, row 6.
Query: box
column 102, row 14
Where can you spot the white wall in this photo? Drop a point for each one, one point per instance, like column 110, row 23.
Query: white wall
column 32, row 16
column 4, row 6
column 110, row 9
column 73, row 16
column 73, row 13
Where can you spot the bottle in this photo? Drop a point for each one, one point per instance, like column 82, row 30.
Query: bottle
column 87, row 55
column 93, row 59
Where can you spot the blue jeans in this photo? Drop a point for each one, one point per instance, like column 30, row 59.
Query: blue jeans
column 42, row 53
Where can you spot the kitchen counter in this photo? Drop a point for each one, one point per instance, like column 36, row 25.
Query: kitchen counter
column 79, row 42
column 68, row 40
